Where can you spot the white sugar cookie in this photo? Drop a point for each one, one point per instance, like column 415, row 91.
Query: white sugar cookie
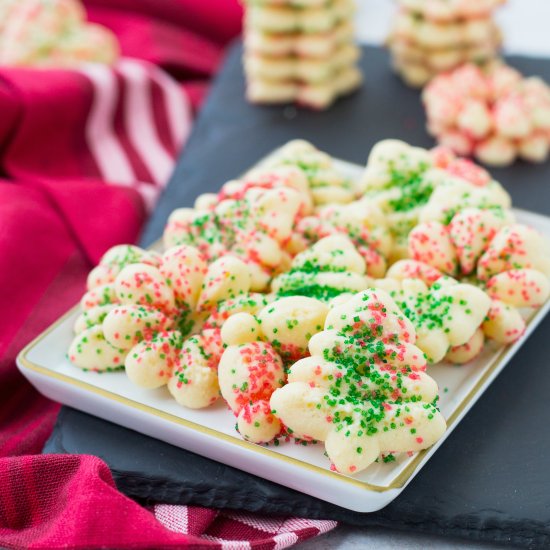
column 90, row 351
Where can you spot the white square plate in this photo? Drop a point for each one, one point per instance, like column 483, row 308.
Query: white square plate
column 211, row 433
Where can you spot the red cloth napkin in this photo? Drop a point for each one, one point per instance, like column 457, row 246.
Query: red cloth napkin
column 83, row 157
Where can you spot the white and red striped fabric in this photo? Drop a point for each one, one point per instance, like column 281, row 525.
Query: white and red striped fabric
column 138, row 121
column 77, row 131
column 121, row 125
column 239, row 530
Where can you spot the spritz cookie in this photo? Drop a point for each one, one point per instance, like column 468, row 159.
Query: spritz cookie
column 494, row 114
column 410, row 184
column 363, row 391
column 510, row 261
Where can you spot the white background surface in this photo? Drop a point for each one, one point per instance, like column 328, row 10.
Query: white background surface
column 524, row 22
column 525, row 25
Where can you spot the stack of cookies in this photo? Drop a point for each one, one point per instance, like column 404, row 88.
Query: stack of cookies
column 300, row 51
column 433, row 36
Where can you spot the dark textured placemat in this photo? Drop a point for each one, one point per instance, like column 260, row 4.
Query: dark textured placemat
column 490, row 480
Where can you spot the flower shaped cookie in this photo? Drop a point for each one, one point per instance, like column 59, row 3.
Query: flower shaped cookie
column 410, row 183
column 151, row 310
column 511, row 261
column 101, row 278
column 252, row 222
column 195, row 378
column 362, row 222
column 90, row 350
column 363, row 391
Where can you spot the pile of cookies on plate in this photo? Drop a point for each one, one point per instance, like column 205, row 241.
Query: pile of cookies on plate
column 492, row 113
column 311, row 303
column 300, row 51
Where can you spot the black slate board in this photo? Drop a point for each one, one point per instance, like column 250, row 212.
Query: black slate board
column 490, row 480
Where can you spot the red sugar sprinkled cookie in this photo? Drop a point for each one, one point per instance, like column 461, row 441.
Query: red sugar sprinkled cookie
column 248, row 375
column 494, row 114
